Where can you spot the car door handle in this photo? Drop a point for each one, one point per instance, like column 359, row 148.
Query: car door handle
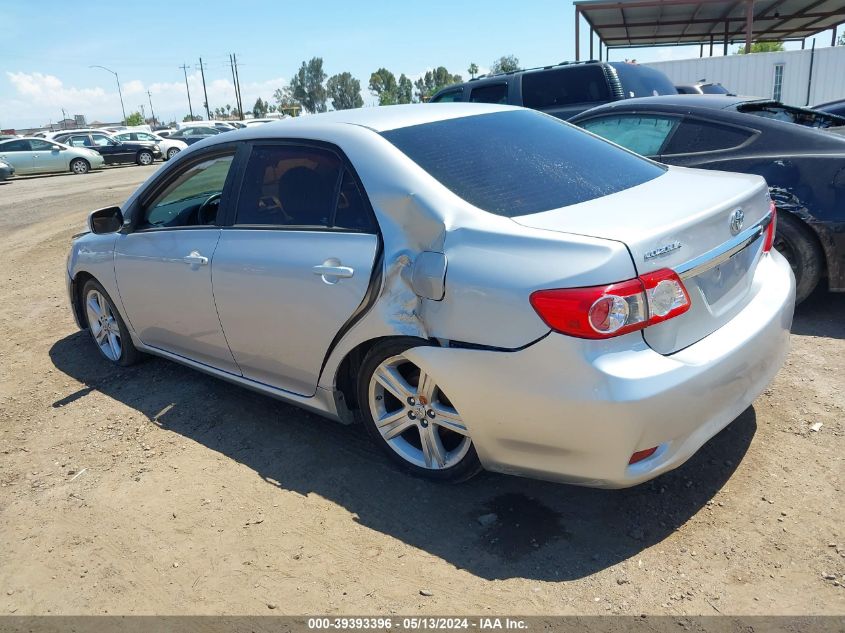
column 195, row 259
column 331, row 270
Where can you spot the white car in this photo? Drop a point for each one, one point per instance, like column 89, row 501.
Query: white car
column 169, row 147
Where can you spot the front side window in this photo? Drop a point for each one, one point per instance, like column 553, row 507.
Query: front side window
column 643, row 134
column 295, row 186
column 493, row 93
column 191, row 199
column 449, row 97
column 79, row 141
column 143, row 136
column 520, row 162
column 560, row 87
column 101, row 140
column 123, row 137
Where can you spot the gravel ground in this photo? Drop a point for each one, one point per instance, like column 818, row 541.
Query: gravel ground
column 156, row 489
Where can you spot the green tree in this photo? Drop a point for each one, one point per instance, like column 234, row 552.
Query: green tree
column 270, row 107
column 344, row 91
column 383, row 85
column 135, row 119
column 285, row 101
column 188, row 118
column 260, row 108
column 404, row 90
column 473, row 70
column 434, row 80
column 308, row 86
column 505, row 64
column 761, row 47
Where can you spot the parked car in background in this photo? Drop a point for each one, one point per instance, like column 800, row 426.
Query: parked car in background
column 251, row 122
column 6, row 171
column 702, row 88
column 113, row 151
column 54, row 134
column 804, row 166
column 169, row 147
column 195, row 133
column 832, row 107
column 223, row 126
column 589, row 326
column 563, row 90
column 40, row 156
column 165, row 132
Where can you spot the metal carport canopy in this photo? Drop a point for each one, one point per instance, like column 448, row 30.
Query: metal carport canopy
column 638, row 23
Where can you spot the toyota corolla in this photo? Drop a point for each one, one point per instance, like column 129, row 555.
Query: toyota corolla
column 480, row 286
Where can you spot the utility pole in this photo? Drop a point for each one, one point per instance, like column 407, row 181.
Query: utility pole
column 143, row 114
column 204, row 91
column 238, row 84
column 152, row 112
column 188, row 88
column 234, row 82
column 64, row 119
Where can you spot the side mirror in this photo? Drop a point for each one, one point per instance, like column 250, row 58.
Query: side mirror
column 108, row 220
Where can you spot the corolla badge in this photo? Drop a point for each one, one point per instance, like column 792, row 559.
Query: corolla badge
column 661, row 250
column 737, row 220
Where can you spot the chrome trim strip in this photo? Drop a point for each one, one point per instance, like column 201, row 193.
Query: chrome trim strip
column 723, row 252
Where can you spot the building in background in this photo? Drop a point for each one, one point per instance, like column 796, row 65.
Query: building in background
column 801, row 78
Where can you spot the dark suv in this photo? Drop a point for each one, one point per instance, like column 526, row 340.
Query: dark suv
column 563, row 90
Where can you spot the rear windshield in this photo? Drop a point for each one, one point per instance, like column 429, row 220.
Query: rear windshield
column 714, row 89
column 791, row 114
column 642, row 81
column 520, row 162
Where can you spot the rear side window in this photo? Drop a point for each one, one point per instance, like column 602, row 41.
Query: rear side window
column 296, row 186
column 449, row 97
column 693, row 137
column 520, row 162
column 493, row 93
column 642, row 81
column 643, row 134
column 564, row 86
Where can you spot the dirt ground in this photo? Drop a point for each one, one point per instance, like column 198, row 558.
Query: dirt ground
column 159, row 490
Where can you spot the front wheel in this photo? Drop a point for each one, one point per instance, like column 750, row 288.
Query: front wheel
column 411, row 418
column 795, row 242
column 145, row 158
column 108, row 330
column 79, row 166
column 172, row 152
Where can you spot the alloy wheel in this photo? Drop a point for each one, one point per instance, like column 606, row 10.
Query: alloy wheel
column 415, row 417
column 103, row 325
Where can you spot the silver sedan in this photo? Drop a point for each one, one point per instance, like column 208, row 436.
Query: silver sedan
column 480, row 286
column 42, row 156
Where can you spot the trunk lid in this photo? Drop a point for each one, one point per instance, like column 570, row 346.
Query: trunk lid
column 683, row 221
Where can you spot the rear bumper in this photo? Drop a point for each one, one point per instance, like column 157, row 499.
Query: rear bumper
column 571, row 410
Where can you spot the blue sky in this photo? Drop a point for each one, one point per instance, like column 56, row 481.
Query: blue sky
column 146, row 42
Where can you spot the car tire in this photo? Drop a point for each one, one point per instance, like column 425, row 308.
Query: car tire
column 417, row 433
column 108, row 331
column 795, row 241
column 172, row 152
column 80, row 166
column 144, row 158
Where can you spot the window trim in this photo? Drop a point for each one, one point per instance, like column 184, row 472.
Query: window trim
column 157, row 186
column 231, row 212
column 752, row 136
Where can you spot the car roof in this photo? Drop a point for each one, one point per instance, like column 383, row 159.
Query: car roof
column 383, row 118
column 714, row 102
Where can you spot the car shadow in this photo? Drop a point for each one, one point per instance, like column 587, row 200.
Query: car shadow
column 541, row 530
column 821, row 314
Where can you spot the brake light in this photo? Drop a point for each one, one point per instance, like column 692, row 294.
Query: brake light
column 769, row 234
column 605, row 311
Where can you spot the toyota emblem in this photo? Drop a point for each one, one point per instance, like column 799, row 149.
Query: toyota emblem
column 737, row 220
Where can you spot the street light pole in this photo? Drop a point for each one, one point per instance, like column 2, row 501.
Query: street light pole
column 119, row 92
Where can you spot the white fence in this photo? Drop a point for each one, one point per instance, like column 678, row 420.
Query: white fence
column 754, row 74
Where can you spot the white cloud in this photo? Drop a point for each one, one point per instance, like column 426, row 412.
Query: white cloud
column 38, row 98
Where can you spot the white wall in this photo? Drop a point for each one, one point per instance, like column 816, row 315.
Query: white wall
column 754, row 74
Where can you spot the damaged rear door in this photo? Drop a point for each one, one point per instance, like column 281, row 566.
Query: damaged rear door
column 294, row 263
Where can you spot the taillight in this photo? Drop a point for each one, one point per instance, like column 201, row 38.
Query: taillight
column 604, row 311
column 769, row 234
